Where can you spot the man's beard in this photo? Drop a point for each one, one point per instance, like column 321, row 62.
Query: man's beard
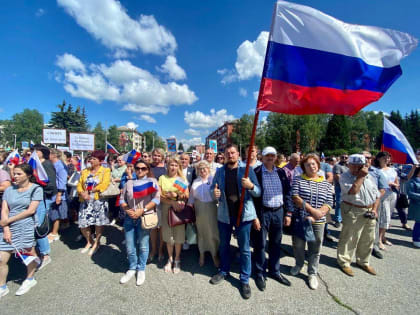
column 231, row 163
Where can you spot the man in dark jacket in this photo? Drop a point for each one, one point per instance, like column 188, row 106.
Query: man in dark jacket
column 274, row 202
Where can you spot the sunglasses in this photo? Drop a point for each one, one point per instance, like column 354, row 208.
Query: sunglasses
column 141, row 169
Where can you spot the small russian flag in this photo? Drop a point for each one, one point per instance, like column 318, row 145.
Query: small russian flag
column 180, row 185
column 39, row 171
column 143, row 187
column 89, row 186
column 110, row 148
column 132, row 157
column 27, row 257
column 13, row 158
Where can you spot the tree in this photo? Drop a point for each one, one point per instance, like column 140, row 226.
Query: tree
column 152, row 136
column 67, row 118
column 26, row 126
column 242, row 130
column 191, row 148
column 337, row 135
column 99, row 137
column 114, row 136
column 180, row 147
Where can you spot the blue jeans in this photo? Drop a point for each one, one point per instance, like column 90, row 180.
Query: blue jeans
column 337, row 203
column 271, row 226
column 243, row 235
column 42, row 243
column 137, row 243
column 416, row 232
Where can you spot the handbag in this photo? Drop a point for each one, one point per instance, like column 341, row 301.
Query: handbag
column 111, row 191
column 149, row 219
column 186, row 215
column 402, row 201
column 301, row 227
column 74, row 179
column 43, row 229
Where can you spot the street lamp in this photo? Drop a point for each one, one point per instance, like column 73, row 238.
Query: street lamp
column 14, row 146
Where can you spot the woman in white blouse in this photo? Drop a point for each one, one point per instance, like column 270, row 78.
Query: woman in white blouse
column 206, row 213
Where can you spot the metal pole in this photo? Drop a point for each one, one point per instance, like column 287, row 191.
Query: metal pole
column 153, row 144
column 14, row 145
column 106, row 138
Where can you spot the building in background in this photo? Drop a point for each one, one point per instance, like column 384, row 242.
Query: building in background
column 130, row 139
column 222, row 135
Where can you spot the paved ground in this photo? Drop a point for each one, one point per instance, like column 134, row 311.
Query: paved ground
column 74, row 283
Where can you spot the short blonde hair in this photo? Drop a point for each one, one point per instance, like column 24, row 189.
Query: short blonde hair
column 201, row 164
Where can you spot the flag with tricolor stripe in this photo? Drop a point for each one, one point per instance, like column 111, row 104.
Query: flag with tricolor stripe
column 111, row 149
column 132, row 156
column 395, row 143
column 39, row 171
column 13, row 158
column 27, row 257
column 143, row 188
column 180, row 184
column 318, row 64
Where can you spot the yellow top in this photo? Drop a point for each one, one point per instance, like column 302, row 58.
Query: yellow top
column 102, row 177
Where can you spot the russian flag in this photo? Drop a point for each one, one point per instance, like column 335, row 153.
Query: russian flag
column 13, row 158
column 132, row 157
column 89, row 186
column 180, row 184
column 317, row 64
column 27, row 257
column 110, row 148
column 396, row 144
column 39, row 171
column 143, row 187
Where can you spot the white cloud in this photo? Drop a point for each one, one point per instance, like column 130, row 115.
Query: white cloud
column 131, row 125
column 202, row 121
column 108, row 21
column 173, row 69
column 249, row 62
column 192, row 132
column 148, row 118
column 122, row 82
column 243, row 92
column 70, row 62
column 40, row 12
column 171, row 137
column 255, row 94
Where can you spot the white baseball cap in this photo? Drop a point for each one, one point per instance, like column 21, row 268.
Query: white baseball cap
column 269, row 150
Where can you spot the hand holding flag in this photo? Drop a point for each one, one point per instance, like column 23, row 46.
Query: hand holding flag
column 39, row 171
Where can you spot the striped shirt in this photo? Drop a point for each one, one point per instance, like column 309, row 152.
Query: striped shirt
column 316, row 192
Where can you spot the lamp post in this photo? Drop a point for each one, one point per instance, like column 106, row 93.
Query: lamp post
column 14, row 145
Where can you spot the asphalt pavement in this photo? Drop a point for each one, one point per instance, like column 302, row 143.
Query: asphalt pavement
column 76, row 283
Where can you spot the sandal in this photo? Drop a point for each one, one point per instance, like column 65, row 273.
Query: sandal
column 386, row 242
column 177, row 266
column 168, row 266
column 382, row 247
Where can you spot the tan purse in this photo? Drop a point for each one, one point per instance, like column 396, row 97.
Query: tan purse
column 149, row 219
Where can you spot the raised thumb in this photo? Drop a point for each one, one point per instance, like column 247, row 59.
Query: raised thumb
column 216, row 186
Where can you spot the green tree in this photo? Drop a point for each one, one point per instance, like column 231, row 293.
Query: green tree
column 26, row 126
column 99, row 137
column 242, row 130
column 113, row 137
column 181, row 147
column 191, row 148
column 337, row 135
column 67, row 118
column 152, row 136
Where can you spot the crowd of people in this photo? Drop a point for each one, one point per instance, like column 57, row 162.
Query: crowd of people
column 295, row 195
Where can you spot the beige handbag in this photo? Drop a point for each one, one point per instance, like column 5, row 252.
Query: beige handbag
column 149, row 219
column 111, row 191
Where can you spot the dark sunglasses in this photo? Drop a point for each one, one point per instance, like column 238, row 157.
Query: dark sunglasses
column 141, row 169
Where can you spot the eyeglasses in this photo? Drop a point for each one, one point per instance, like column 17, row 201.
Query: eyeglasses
column 143, row 169
column 119, row 160
column 345, row 157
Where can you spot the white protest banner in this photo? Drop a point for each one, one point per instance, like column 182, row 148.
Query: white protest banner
column 82, row 141
column 56, row 136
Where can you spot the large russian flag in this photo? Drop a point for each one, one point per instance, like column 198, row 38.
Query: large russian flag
column 318, row 64
column 394, row 142
column 39, row 171
column 13, row 157
column 143, row 187
column 110, row 148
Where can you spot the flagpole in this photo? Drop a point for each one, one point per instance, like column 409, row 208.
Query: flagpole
column 106, row 137
column 252, row 140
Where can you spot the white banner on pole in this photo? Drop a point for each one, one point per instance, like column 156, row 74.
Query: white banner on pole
column 55, row 136
column 82, row 141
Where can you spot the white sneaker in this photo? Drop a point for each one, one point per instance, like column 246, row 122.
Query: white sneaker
column 295, row 270
column 26, row 286
column 141, row 276
column 44, row 262
column 53, row 237
column 185, row 246
column 4, row 291
column 416, row 244
column 128, row 275
column 313, row 282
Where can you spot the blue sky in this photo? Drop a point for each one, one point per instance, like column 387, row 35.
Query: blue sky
column 163, row 65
